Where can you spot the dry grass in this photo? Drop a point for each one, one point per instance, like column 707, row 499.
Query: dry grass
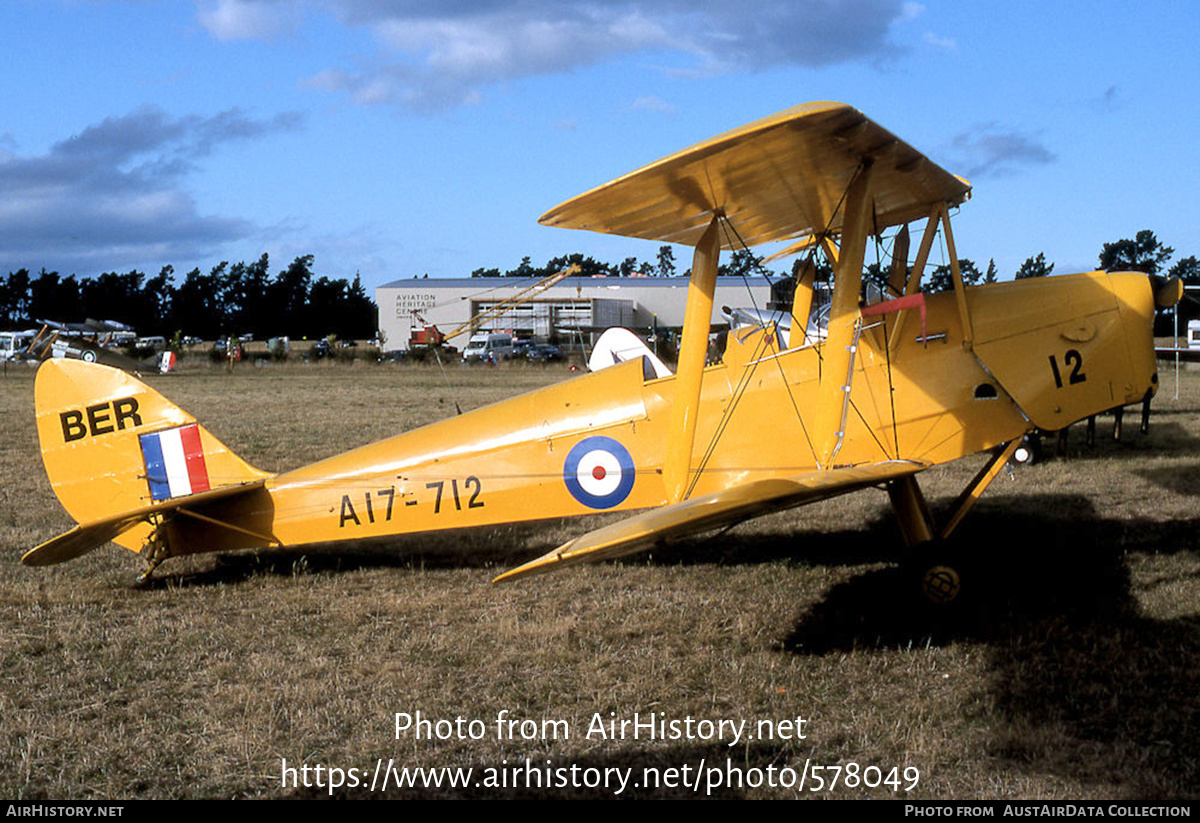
column 1073, row 671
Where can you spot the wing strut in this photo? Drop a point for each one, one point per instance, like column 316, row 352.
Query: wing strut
column 693, row 351
column 802, row 303
column 844, row 319
column 914, row 277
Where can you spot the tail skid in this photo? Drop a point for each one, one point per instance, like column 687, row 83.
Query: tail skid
column 123, row 461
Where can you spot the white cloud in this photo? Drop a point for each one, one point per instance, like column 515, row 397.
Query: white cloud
column 947, row 43
column 436, row 54
column 249, row 19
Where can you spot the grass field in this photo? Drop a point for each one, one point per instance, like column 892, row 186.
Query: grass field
column 1072, row 672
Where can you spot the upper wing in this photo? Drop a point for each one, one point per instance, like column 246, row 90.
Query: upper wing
column 777, row 178
column 698, row 514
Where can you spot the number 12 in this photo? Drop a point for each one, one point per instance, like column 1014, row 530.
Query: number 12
column 1073, row 359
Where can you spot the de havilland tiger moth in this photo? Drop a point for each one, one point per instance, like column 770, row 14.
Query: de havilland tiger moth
column 896, row 384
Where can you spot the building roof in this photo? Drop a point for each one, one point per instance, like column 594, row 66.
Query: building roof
column 489, row 283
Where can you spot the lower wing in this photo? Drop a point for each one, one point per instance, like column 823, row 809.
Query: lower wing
column 733, row 505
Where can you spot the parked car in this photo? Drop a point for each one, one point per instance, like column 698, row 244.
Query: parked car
column 543, row 353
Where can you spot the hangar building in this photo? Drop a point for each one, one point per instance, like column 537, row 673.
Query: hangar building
column 573, row 306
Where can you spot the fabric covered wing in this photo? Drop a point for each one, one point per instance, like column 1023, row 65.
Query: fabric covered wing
column 777, row 178
column 642, row 531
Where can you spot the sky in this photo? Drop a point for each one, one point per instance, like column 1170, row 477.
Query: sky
column 399, row 139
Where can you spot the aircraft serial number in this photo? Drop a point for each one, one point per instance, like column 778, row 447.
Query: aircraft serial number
column 1074, row 361
column 379, row 505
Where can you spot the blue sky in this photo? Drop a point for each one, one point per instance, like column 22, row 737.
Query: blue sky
column 404, row 138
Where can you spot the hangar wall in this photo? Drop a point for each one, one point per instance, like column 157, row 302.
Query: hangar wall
column 586, row 303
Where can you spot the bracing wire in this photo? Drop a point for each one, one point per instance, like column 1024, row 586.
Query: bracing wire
column 744, row 382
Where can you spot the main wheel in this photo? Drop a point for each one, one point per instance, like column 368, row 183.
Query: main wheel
column 940, row 584
column 936, row 572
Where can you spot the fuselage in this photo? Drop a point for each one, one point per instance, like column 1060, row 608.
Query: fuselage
column 1041, row 354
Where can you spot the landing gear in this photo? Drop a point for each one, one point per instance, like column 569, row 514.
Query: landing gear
column 940, row 584
column 936, row 574
column 156, row 549
column 937, row 570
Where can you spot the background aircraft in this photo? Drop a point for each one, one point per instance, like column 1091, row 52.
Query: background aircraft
column 93, row 341
column 894, row 387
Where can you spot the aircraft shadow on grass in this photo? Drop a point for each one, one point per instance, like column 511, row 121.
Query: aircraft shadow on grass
column 1085, row 686
column 1180, row 479
column 455, row 549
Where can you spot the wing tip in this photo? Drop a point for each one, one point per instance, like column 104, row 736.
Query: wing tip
column 66, row 546
column 541, row 565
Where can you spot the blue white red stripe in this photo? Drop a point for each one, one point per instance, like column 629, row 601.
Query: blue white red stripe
column 175, row 462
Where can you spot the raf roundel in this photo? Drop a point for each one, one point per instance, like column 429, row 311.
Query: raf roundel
column 599, row 472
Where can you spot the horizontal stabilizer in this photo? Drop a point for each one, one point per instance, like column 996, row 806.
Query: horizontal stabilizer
column 89, row 536
column 699, row 514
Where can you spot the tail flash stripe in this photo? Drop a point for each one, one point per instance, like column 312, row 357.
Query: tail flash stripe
column 156, row 469
column 175, row 463
column 193, row 454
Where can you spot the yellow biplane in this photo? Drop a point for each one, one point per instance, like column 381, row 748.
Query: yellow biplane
column 894, row 385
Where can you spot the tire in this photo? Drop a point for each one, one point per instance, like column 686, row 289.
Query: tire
column 941, row 584
column 88, row 356
column 936, row 575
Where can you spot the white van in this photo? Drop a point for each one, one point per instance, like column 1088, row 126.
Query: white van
column 489, row 346
column 12, row 342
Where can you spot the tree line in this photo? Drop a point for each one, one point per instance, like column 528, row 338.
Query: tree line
column 1144, row 252
column 740, row 262
column 242, row 298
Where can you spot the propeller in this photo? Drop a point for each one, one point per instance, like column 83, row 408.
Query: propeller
column 1168, row 291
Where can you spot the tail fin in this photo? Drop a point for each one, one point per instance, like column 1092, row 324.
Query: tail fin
column 113, row 447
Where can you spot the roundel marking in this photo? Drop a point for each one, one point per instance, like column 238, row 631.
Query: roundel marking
column 599, row 472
